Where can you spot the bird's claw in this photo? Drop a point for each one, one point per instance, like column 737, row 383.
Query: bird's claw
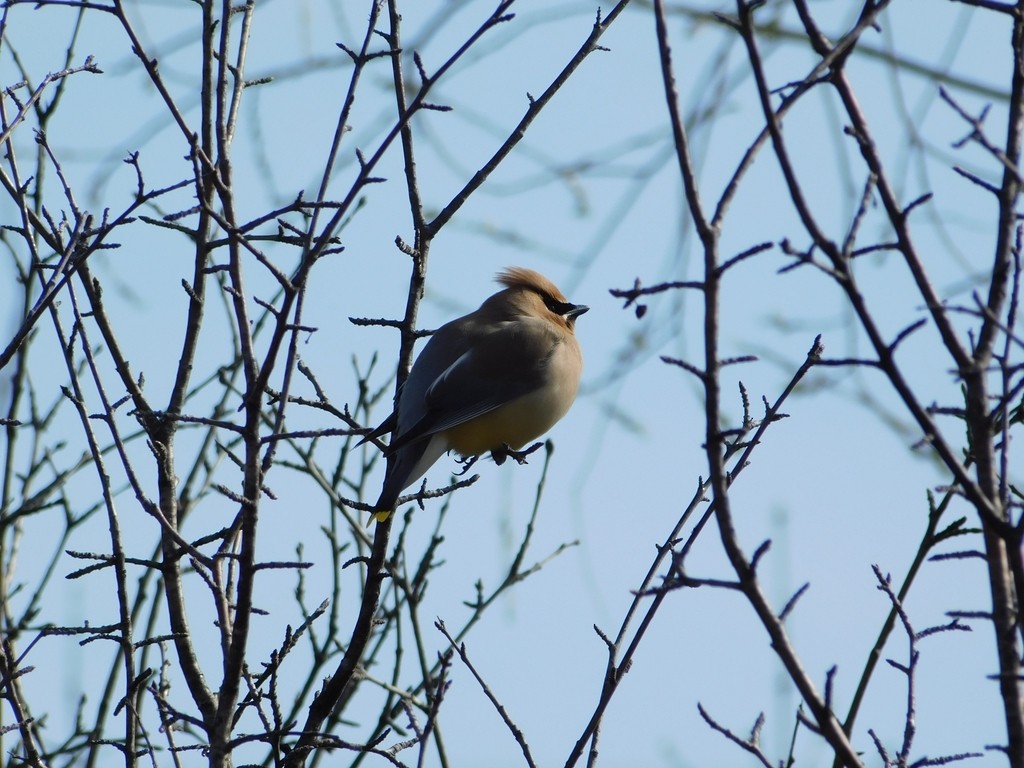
column 505, row 452
column 467, row 462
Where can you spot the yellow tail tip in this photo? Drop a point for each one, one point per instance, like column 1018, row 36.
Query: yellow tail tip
column 378, row 517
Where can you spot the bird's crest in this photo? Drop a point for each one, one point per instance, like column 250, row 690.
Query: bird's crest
column 521, row 277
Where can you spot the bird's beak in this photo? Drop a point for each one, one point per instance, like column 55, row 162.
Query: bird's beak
column 576, row 311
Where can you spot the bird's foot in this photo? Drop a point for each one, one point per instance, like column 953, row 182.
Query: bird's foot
column 505, row 452
column 467, row 462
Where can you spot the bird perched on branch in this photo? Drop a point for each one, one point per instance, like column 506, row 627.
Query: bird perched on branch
column 492, row 380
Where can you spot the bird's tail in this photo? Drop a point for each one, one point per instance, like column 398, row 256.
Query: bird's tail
column 379, row 516
column 405, row 467
column 388, row 500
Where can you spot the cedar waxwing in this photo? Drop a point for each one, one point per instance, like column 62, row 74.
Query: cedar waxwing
column 492, row 380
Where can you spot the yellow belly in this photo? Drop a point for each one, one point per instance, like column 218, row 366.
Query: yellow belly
column 513, row 425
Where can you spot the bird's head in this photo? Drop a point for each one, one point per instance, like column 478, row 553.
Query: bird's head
column 530, row 293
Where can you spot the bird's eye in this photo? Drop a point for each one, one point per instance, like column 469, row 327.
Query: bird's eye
column 558, row 307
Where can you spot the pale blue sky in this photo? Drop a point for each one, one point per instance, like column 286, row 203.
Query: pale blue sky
column 833, row 486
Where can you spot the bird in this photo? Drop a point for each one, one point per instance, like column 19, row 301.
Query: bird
column 490, row 381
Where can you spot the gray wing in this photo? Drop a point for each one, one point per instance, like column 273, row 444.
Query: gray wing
column 499, row 367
